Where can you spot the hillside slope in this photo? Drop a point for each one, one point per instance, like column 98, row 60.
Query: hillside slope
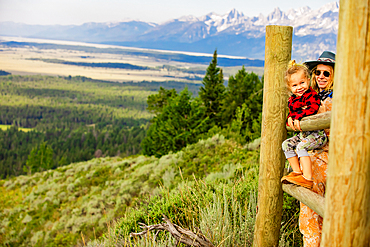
column 57, row 207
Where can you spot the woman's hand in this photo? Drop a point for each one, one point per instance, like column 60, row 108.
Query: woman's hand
column 321, row 109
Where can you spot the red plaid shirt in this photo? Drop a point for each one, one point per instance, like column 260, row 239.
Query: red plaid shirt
column 310, row 101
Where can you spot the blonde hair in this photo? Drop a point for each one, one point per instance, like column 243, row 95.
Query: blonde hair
column 293, row 68
column 314, row 81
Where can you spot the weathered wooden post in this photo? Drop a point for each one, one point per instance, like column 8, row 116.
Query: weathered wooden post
column 278, row 49
column 347, row 203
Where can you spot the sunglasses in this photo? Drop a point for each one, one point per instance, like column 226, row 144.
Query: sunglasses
column 326, row 73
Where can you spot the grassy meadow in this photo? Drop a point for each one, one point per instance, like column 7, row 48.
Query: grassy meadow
column 17, row 61
column 29, row 60
column 6, row 127
column 30, row 56
column 22, row 61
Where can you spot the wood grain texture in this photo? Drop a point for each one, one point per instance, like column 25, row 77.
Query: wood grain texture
column 315, row 122
column 306, row 196
column 347, row 208
column 270, row 194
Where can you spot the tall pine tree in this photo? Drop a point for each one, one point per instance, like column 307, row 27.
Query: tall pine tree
column 181, row 122
column 212, row 91
column 156, row 102
column 243, row 88
column 242, row 106
column 40, row 159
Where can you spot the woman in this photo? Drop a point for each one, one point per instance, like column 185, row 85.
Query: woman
column 310, row 223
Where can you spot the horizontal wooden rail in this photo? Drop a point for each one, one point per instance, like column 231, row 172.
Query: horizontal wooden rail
column 307, row 197
column 315, row 122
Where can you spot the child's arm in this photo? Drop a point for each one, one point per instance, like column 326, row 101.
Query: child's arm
column 291, row 115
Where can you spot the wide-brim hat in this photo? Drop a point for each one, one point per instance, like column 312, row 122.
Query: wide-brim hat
column 327, row 58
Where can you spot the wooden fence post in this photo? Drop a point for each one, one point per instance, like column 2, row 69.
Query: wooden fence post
column 347, row 203
column 278, row 49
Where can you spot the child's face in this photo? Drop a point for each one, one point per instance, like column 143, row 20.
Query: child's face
column 299, row 83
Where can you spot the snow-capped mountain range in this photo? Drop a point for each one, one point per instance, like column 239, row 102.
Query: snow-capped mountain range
column 304, row 20
column 231, row 34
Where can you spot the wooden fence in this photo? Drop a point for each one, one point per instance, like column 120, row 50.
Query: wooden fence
column 347, row 204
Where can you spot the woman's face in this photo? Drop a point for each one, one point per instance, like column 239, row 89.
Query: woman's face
column 324, row 75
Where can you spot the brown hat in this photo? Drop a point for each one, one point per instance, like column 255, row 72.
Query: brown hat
column 327, row 58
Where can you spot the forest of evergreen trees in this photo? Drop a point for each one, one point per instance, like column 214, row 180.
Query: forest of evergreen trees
column 76, row 119
column 180, row 119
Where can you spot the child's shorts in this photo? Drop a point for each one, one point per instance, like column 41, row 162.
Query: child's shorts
column 304, row 141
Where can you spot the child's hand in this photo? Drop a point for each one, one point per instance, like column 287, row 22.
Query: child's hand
column 291, row 123
column 297, row 124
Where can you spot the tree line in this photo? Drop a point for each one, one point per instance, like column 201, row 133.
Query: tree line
column 19, row 150
column 234, row 110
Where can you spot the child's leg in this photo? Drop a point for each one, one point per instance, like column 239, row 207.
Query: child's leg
column 288, row 147
column 312, row 141
column 294, row 163
column 306, row 167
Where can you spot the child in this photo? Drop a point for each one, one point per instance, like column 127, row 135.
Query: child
column 304, row 102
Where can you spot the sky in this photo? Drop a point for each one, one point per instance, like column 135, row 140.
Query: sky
column 77, row 12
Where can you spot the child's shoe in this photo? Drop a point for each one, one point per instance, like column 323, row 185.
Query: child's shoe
column 292, row 174
column 301, row 181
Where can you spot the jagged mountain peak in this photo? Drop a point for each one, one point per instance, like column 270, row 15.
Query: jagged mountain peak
column 235, row 14
column 277, row 15
column 293, row 13
column 333, row 6
column 187, row 18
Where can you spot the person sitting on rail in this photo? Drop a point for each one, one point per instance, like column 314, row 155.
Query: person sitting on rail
column 303, row 102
